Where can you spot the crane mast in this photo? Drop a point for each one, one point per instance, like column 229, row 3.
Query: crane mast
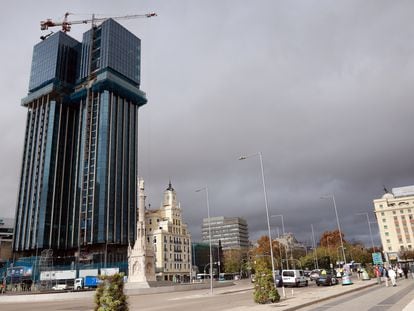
column 67, row 25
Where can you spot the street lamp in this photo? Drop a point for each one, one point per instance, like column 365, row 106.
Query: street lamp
column 209, row 237
column 370, row 232
column 267, row 210
column 337, row 221
column 314, row 248
column 284, row 235
column 337, row 251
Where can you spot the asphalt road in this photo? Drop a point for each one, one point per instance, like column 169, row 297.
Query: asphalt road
column 239, row 297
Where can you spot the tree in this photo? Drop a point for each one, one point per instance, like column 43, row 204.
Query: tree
column 264, row 287
column 233, row 260
column 262, row 250
column 331, row 239
column 110, row 295
column 406, row 254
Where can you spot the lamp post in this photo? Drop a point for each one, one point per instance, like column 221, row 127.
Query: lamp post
column 267, row 210
column 284, row 235
column 209, row 237
column 314, row 248
column 370, row 231
column 337, row 221
column 337, row 251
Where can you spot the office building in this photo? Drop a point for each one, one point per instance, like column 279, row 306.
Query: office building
column 169, row 235
column 78, row 184
column 231, row 231
column 394, row 212
column 6, row 238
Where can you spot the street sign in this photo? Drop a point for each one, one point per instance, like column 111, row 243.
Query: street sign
column 377, row 258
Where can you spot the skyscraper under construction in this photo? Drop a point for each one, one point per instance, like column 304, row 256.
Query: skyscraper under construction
column 78, row 184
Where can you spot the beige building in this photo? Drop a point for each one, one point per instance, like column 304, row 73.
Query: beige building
column 170, row 238
column 6, row 238
column 394, row 213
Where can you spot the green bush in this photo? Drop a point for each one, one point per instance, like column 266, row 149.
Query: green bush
column 110, row 295
column 264, row 287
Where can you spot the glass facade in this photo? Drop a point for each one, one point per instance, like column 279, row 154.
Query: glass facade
column 54, row 60
column 113, row 47
column 78, row 185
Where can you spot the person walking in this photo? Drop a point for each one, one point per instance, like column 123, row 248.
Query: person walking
column 392, row 275
column 385, row 276
column 377, row 274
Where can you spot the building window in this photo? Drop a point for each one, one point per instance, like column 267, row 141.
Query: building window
column 387, row 234
column 381, row 205
column 385, row 227
column 382, row 214
column 402, row 247
column 409, row 246
column 388, row 241
column 384, row 220
column 394, row 212
column 389, row 248
column 401, row 211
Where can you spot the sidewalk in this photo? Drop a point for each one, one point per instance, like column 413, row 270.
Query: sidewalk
column 318, row 294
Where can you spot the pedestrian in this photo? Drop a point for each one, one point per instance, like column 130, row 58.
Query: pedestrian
column 400, row 272
column 392, row 275
column 377, row 274
column 405, row 270
column 385, row 276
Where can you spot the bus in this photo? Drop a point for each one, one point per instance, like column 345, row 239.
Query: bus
column 203, row 276
column 227, row 276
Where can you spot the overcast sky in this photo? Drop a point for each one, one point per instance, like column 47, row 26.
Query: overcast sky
column 324, row 89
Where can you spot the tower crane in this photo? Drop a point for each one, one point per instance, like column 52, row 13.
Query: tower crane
column 66, row 24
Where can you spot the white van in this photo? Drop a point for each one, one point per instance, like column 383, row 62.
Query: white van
column 294, row 278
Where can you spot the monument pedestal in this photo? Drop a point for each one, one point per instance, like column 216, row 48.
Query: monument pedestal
column 141, row 259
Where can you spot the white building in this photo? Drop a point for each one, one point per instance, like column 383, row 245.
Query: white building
column 232, row 232
column 394, row 213
column 170, row 238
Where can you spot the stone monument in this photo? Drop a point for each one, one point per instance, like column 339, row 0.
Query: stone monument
column 141, row 259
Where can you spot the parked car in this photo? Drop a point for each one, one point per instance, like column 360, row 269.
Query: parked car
column 294, row 278
column 60, row 287
column 307, row 273
column 314, row 274
column 327, row 279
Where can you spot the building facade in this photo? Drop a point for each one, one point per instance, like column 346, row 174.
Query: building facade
column 78, row 184
column 232, row 232
column 6, row 238
column 395, row 216
column 169, row 235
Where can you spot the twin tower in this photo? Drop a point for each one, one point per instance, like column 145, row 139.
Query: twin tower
column 78, row 184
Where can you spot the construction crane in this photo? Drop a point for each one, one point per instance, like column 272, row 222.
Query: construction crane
column 66, row 24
